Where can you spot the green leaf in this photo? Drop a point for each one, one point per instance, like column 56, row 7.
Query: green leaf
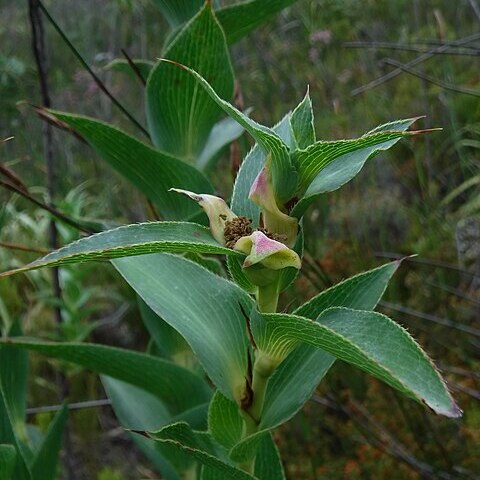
column 284, row 174
column 327, row 166
column 313, row 159
column 130, row 240
column 249, row 169
column 183, row 438
column 222, row 134
column 13, row 391
column 13, row 381
column 9, row 436
column 235, row 269
column 248, row 447
column 179, row 11
column 151, row 171
column 241, row 18
column 153, row 415
column 126, row 398
column 180, row 113
column 8, row 458
column 177, row 387
column 268, row 463
column 123, row 66
column 203, row 307
column 301, row 121
column 45, row 463
column 368, row 340
column 360, row 292
column 296, row 378
column 224, row 421
column 169, row 342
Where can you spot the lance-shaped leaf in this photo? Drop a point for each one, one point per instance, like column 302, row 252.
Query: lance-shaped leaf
column 224, row 421
column 312, row 160
column 177, row 387
column 152, row 416
column 8, row 436
column 346, row 163
column 301, row 121
column 241, row 18
column 169, row 343
column 270, row 253
column 180, row 113
column 130, row 240
column 368, row 340
column 284, row 174
column 296, row 378
column 268, row 463
column 45, row 463
column 200, row 447
column 179, row 11
column 8, row 458
column 237, row 20
column 13, row 392
column 151, row 171
column 202, row 306
column 222, row 134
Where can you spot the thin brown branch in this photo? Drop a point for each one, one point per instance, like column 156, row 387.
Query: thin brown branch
column 428, row 78
column 71, row 406
column 13, row 177
column 48, row 117
column 134, row 67
column 23, row 248
column 422, row 58
column 411, row 47
column 56, row 213
column 431, row 318
column 94, row 76
column 40, row 53
column 424, row 261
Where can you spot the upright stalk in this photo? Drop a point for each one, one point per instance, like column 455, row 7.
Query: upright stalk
column 267, row 301
column 267, row 297
column 39, row 51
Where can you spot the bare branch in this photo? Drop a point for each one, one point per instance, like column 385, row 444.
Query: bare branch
column 422, row 58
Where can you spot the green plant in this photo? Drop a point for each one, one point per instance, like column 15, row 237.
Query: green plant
column 264, row 364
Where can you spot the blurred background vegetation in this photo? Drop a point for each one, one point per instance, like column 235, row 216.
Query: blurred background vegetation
column 422, row 197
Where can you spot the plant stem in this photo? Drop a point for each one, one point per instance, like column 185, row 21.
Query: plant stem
column 267, row 297
column 40, row 54
column 262, row 371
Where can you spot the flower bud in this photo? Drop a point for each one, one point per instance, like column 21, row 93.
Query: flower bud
column 274, row 220
column 216, row 209
column 270, row 253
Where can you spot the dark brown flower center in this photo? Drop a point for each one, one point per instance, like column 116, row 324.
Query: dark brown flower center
column 237, row 228
column 242, row 227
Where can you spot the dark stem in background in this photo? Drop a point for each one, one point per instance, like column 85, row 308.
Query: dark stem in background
column 39, row 51
column 416, row 61
column 426, row 106
column 49, row 208
column 134, row 67
column 97, row 80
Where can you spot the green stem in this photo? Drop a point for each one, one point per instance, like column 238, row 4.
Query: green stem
column 267, row 301
column 262, row 370
column 267, row 297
